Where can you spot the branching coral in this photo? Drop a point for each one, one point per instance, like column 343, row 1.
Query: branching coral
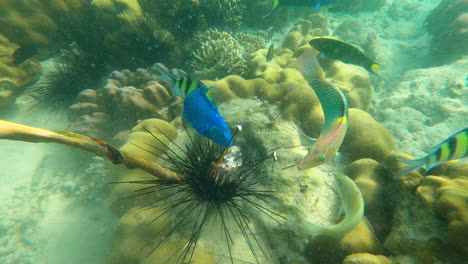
column 224, row 14
column 218, row 53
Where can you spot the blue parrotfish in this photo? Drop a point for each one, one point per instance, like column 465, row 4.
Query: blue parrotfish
column 453, row 148
column 300, row 3
column 335, row 110
column 200, row 109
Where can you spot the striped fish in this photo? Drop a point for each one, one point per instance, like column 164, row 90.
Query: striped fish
column 199, row 108
column 453, row 148
column 335, row 110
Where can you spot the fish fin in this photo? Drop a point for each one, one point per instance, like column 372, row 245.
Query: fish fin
column 342, row 160
column 166, row 76
column 209, row 94
column 177, row 91
column 375, row 68
column 276, row 4
column 461, row 162
column 412, row 165
column 317, row 4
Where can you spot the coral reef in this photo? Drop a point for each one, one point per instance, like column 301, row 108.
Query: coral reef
column 14, row 77
column 34, row 23
column 126, row 98
column 219, row 53
column 448, row 25
column 305, row 29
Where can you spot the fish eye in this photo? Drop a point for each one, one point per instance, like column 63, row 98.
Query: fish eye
column 322, row 157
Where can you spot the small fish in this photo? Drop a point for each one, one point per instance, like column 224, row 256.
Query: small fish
column 339, row 50
column 300, row 3
column 335, row 109
column 352, row 204
column 271, row 52
column 200, row 109
column 452, row 148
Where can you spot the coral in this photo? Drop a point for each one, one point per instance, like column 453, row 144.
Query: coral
column 448, row 25
column 445, row 190
column 280, row 69
column 33, row 23
column 224, row 14
column 14, row 77
column 366, row 138
column 218, row 54
column 370, row 176
column 354, row 81
column 305, row 29
column 126, row 98
column 366, row 258
column 250, row 42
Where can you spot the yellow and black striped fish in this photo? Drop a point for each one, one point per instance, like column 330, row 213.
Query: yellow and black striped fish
column 453, row 148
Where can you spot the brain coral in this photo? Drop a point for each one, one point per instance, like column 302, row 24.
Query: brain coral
column 126, row 98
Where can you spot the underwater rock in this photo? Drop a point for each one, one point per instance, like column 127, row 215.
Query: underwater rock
column 366, row 138
column 360, row 5
column 355, row 32
column 14, row 77
column 448, row 25
column 305, row 29
column 126, row 98
column 424, row 106
column 371, row 177
column 366, row 258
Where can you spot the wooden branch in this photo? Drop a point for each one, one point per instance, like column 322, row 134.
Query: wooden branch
column 14, row 131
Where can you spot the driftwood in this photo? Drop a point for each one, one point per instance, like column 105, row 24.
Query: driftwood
column 14, row 131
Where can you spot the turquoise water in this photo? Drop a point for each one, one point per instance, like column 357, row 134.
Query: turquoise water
column 89, row 67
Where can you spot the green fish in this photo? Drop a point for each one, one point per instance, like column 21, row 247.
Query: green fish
column 339, row 50
column 453, row 148
column 271, row 52
column 335, row 109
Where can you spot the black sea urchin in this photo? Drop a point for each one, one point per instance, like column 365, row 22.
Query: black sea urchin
column 217, row 193
column 141, row 42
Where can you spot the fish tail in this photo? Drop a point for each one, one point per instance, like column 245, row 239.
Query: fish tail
column 411, row 165
column 375, row 68
column 276, row 4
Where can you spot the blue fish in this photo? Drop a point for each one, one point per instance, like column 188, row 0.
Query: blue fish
column 199, row 108
column 300, row 3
